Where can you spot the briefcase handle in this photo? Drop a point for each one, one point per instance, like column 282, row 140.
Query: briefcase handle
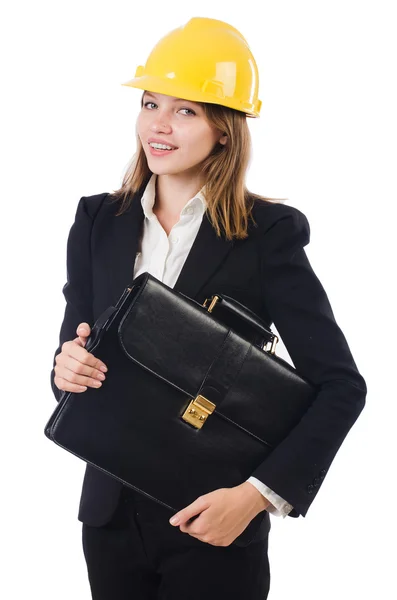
column 244, row 320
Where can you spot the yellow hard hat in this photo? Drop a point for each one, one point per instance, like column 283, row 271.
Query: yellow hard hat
column 205, row 60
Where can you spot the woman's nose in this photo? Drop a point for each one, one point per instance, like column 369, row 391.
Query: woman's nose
column 161, row 123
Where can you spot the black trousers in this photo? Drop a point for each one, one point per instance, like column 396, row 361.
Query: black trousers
column 138, row 555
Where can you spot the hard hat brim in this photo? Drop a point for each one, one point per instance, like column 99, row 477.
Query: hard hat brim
column 170, row 87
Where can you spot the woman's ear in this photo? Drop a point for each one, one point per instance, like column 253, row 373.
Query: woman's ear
column 223, row 140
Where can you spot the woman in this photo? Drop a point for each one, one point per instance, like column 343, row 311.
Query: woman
column 184, row 213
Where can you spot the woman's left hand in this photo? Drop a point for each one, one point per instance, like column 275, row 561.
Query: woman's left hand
column 223, row 514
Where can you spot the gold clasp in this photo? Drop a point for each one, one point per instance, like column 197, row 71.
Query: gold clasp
column 198, row 411
column 273, row 344
column 213, row 299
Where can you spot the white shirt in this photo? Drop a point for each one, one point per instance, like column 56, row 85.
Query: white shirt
column 163, row 257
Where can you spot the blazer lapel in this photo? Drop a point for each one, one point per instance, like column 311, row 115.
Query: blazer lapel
column 205, row 257
column 123, row 234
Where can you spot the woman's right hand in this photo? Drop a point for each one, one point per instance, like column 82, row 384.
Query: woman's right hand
column 76, row 368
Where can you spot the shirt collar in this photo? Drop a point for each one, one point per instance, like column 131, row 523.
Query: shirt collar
column 149, row 194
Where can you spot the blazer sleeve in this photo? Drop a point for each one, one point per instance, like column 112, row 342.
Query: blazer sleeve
column 299, row 307
column 78, row 287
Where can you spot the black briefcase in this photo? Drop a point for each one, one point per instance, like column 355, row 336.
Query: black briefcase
column 194, row 399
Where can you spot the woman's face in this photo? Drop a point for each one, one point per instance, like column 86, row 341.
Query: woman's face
column 181, row 124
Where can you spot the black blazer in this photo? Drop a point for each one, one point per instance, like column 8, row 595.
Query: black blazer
column 270, row 273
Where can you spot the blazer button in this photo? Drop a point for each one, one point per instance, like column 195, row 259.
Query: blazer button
column 310, row 489
column 322, row 473
column 316, row 482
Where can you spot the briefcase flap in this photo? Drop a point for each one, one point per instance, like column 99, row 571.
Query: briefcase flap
column 176, row 339
column 171, row 335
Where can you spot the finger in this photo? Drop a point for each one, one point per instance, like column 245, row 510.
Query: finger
column 190, row 511
column 82, row 368
column 193, row 526
column 81, row 380
column 81, row 355
column 67, row 386
column 82, row 341
column 83, row 329
column 76, row 372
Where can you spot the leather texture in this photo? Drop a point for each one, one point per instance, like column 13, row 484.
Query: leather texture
column 162, row 350
column 270, row 274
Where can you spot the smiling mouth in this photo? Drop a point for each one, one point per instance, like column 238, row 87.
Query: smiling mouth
column 161, row 147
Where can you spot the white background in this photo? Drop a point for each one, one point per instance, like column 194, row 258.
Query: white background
column 326, row 141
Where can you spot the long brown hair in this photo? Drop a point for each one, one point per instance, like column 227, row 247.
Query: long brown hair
column 229, row 202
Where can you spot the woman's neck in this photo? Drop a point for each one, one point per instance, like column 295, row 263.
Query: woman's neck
column 173, row 192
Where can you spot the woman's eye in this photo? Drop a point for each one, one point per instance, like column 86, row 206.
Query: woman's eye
column 154, row 104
